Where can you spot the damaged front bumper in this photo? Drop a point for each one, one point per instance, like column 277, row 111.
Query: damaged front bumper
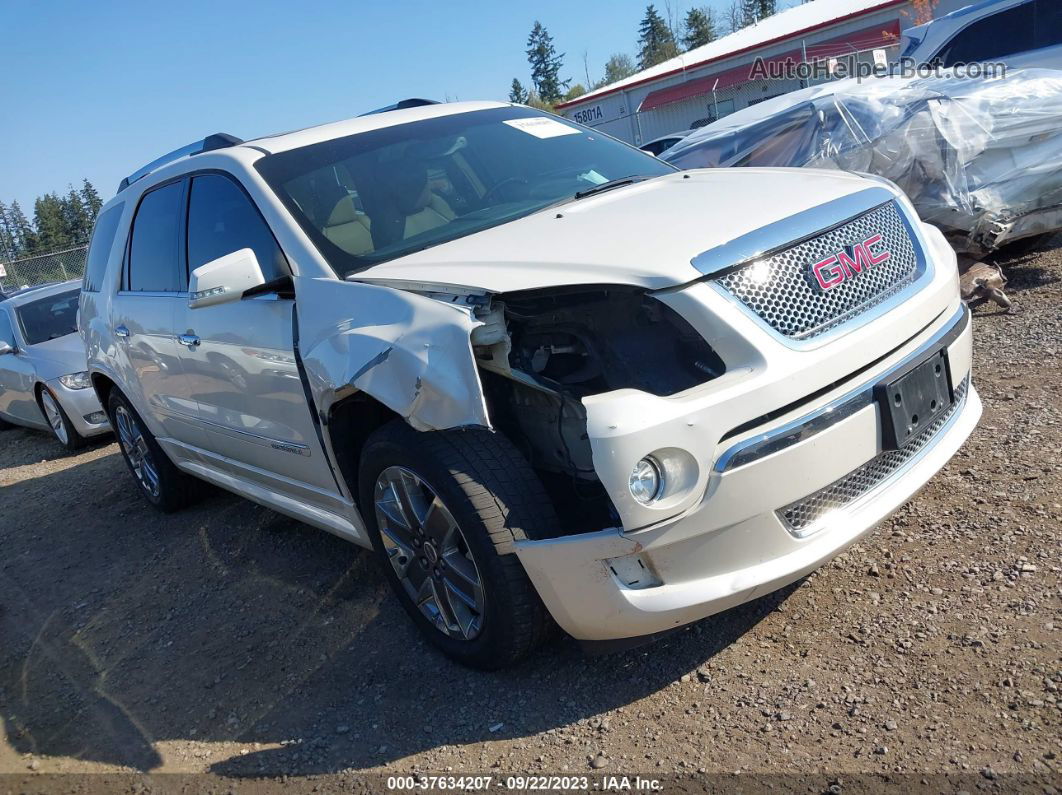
column 755, row 522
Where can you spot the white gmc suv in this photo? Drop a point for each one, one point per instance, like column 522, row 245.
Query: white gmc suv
column 542, row 374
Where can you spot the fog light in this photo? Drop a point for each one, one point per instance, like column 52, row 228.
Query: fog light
column 646, row 481
column 95, row 418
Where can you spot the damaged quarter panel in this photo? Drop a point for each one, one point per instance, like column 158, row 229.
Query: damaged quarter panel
column 409, row 352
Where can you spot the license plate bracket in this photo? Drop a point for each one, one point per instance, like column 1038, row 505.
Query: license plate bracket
column 911, row 401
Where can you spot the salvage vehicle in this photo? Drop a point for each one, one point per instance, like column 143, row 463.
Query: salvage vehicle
column 545, row 376
column 1021, row 34
column 43, row 380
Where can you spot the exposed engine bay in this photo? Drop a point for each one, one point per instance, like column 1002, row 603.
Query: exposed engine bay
column 544, row 350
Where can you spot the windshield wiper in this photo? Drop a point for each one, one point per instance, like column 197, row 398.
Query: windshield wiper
column 612, row 183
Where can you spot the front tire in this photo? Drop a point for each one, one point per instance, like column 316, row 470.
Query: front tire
column 56, row 417
column 161, row 483
column 443, row 510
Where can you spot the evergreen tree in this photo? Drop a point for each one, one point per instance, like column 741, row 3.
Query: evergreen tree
column 766, row 8
column 545, row 65
column 517, row 93
column 698, row 28
column 655, row 40
column 25, row 238
column 76, row 220
column 750, row 12
column 575, row 91
column 49, row 223
column 617, row 67
column 91, row 199
column 7, row 238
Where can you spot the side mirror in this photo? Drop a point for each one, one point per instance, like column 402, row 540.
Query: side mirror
column 5, row 348
column 224, row 279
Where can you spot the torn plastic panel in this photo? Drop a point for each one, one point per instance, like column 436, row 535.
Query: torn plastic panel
column 408, row 351
column 982, row 159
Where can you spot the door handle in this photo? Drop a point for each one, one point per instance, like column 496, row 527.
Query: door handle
column 121, row 331
column 188, row 340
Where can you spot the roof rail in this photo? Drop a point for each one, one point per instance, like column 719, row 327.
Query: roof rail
column 208, row 144
column 412, row 102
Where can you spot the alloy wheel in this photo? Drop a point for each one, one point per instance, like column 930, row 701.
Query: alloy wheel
column 137, row 452
column 54, row 416
column 429, row 553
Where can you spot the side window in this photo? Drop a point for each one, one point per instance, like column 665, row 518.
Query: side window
column 996, row 36
column 6, row 333
column 154, row 264
column 1048, row 23
column 222, row 219
column 100, row 247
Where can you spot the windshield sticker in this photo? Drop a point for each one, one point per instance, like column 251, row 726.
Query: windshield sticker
column 541, row 127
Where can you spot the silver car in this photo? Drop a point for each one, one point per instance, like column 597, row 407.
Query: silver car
column 43, row 382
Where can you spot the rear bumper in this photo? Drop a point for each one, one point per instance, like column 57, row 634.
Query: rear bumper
column 80, row 405
column 733, row 544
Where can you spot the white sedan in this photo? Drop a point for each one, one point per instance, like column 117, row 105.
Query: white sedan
column 43, row 378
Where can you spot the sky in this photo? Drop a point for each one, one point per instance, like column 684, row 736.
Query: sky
column 96, row 89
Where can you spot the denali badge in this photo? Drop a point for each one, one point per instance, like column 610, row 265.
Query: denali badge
column 850, row 262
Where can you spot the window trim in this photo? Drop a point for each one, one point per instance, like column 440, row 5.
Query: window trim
column 124, row 286
column 204, row 172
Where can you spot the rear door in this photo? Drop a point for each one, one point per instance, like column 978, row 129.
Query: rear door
column 241, row 357
column 154, row 288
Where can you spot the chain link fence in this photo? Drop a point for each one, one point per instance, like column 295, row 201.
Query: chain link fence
column 56, row 266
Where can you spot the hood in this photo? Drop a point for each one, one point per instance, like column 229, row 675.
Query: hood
column 59, row 356
column 644, row 235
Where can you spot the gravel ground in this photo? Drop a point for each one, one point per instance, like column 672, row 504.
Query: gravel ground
column 228, row 639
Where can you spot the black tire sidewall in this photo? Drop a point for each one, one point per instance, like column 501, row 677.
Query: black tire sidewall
column 171, row 494
column 396, row 448
column 74, row 440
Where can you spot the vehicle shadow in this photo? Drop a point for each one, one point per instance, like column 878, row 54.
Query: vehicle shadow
column 121, row 629
column 21, row 446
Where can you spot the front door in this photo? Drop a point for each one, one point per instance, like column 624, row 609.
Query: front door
column 240, row 355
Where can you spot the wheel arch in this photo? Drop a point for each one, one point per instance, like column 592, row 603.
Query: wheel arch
column 350, row 422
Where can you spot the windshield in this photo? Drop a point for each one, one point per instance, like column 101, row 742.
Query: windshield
column 49, row 318
column 382, row 194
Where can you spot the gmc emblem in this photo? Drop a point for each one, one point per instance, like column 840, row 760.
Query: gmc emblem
column 850, row 262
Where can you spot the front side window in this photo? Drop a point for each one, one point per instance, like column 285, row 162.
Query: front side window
column 382, row 194
column 154, row 261
column 222, row 219
column 997, row 36
column 100, row 247
column 49, row 318
column 7, row 334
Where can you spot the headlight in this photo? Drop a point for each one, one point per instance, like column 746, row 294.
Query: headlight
column 646, row 481
column 76, row 380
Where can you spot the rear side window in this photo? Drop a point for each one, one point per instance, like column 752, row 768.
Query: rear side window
column 154, row 261
column 100, row 247
column 1049, row 22
column 223, row 219
column 996, row 36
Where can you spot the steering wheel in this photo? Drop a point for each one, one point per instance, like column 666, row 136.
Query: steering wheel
column 499, row 185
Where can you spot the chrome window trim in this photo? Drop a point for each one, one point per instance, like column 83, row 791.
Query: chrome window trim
column 762, row 445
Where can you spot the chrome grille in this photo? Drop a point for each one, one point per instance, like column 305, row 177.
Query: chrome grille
column 782, row 291
column 804, row 516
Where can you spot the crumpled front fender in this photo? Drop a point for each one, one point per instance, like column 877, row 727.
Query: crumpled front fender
column 410, row 352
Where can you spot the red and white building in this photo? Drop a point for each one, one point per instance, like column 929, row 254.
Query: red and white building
column 712, row 81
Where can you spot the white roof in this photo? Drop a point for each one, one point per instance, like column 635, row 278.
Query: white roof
column 778, row 26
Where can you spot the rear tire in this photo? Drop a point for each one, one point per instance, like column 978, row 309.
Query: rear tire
column 487, row 498
column 56, row 417
column 161, row 483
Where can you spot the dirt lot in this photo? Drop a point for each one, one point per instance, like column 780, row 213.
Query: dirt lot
column 231, row 640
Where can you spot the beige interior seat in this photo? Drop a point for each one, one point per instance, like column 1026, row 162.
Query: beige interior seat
column 435, row 212
column 349, row 229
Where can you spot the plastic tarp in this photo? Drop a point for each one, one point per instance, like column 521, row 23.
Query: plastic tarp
column 980, row 158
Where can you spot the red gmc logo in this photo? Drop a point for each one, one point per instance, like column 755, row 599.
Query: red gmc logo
column 848, row 263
